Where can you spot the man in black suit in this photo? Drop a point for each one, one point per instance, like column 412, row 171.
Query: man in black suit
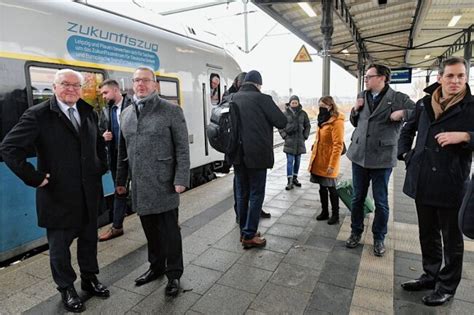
column 71, row 161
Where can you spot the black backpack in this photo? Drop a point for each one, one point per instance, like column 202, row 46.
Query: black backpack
column 222, row 132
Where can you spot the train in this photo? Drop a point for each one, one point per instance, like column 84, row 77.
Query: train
column 37, row 38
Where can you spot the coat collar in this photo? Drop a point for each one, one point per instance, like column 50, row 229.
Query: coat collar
column 83, row 108
column 385, row 102
column 249, row 87
column 450, row 112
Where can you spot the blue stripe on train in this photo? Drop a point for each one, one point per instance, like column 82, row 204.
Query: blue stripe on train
column 18, row 220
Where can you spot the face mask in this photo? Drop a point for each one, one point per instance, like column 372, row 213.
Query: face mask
column 323, row 115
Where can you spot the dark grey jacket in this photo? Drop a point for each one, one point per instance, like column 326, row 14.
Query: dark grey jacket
column 296, row 131
column 258, row 115
column 374, row 140
column 155, row 149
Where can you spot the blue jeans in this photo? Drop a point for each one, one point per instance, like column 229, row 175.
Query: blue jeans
column 120, row 202
column 250, row 189
column 361, row 178
column 292, row 164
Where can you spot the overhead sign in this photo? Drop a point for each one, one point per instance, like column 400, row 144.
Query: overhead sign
column 400, row 75
column 302, row 55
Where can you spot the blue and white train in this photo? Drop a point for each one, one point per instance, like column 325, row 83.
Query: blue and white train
column 39, row 37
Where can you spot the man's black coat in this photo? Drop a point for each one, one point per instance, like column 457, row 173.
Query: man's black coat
column 436, row 176
column 74, row 161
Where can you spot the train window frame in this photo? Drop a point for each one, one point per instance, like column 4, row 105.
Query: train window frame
column 177, row 99
column 219, row 94
column 56, row 66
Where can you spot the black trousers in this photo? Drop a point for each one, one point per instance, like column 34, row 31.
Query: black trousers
column 59, row 241
column 165, row 252
column 436, row 225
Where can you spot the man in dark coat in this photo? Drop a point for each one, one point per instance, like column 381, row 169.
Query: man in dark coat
column 154, row 150
column 109, row 126
column 257, row 115
column 437, row 170
column 378, row 116
column 71, row 161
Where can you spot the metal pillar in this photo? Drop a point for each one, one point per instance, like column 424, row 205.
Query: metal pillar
column 326, row 29
column 360, row 70
column 468, row 53
column 246, row 26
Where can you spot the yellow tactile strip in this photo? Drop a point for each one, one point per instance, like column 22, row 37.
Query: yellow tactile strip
column 373, row 291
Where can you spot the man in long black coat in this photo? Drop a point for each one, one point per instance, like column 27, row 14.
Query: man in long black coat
column 71, row 161
column 437, row 170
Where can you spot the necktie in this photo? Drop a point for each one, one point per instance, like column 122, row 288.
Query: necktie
column 73, row 119
column 115, row 124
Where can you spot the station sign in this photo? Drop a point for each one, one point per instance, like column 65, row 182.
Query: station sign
column 400, row 75
column 302, row 55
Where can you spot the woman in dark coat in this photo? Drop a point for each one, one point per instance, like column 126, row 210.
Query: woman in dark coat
column 295, row 134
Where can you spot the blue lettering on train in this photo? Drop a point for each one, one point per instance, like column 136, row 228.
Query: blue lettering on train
column 99, row 51
column 95, row 32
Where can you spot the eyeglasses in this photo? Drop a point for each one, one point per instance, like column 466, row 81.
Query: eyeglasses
column 66, row 85
column 142, row 80
column 368, row 77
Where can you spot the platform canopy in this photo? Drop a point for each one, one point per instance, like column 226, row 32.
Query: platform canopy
column 398, row 33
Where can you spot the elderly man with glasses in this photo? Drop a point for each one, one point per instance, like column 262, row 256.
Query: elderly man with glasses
column 377, row 116
column 71, row 161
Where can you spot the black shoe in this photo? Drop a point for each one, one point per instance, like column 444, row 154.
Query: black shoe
column 265, row 215
column 418, row 285
column 289, row 186
column 379, row 248
column 436, row 298
column 71, row 301
column 334, row 219
column 296, row 182
column 353, row 241
column 148, row 276
column 324, row 215
column 172, row 288
column 94, row 287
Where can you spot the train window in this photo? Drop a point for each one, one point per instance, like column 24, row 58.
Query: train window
column 41, row 81
column 215, row 85
column 168, row 89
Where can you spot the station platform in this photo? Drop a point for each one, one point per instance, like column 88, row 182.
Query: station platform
column 304, row 269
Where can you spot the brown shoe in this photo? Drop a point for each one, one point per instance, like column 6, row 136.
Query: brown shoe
column 256, row 234
column 110, row 234
column 256, row 241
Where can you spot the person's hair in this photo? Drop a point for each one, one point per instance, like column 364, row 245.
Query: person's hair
column 145, row 68
column 328, row 100
column 451, row 61
column 239, row 79
column 381, row 70
column 62, row 72
column 109, row 82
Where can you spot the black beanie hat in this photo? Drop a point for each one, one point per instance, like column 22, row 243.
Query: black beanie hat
column 253, row 76
column 294, row 98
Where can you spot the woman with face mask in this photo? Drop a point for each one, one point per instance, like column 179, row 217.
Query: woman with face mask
column 295, row 134
column 326, row 156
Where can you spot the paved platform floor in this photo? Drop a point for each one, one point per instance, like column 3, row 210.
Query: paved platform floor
column 304, row 269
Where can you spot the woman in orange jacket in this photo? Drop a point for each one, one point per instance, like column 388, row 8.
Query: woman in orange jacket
column 326, row 156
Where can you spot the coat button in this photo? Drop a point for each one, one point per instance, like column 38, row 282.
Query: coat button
column 433, row 169
column 368, row 136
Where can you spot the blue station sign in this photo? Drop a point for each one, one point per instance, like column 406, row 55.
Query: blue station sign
column 400, row 75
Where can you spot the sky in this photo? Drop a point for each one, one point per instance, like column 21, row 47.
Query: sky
column 275, row 49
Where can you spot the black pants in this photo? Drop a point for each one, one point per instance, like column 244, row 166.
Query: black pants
column 165, row 252
column 333, row 196
column 59, row 241
column 438, row 224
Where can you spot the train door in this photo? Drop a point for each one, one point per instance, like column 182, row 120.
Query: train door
column 213, row 90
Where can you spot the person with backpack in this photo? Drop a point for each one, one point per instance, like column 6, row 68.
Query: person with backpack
column 254, row 115
column 295, row 134
column 326, row 156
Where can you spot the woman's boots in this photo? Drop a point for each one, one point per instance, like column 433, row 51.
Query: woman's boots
column 289, row 186
column 323, row 196
column 295, row 181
